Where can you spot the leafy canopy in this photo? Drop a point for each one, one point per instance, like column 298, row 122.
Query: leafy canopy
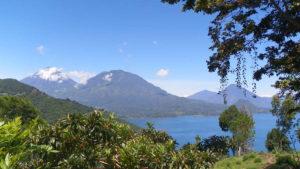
column 241, row 127
column 266, row 30
column 277, row 141
column 12, row 107
column 282, row 110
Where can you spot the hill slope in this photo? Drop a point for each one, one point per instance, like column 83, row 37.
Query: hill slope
column 51, row 108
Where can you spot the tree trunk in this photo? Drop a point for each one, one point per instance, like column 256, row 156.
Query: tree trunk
column 239, row 152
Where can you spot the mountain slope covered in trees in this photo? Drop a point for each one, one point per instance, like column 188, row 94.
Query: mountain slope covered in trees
column 51, row 108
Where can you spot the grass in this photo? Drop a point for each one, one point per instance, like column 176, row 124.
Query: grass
column 248, row 161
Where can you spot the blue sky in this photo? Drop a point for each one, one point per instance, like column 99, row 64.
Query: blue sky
column 156, row 41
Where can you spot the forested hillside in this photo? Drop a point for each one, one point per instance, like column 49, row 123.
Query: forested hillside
column 51, row 108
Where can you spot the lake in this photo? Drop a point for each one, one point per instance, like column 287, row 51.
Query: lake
column 185, row 128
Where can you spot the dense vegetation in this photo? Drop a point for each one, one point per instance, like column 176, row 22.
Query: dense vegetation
column 89, row 141
column 51, row 108
column 281, row 137
column 96, row 140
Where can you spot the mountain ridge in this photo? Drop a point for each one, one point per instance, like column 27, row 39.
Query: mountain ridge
column 234, row 94
column 129, row 95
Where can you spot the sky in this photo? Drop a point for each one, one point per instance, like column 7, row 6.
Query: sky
column 156, row 41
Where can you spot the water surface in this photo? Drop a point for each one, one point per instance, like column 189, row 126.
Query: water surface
column 185, row 128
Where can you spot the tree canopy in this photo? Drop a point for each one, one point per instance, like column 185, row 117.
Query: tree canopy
column 240, row 125
column 12, row 107
column 266, row 30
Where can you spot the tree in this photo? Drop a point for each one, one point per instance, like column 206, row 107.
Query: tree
column 282, row 110
column 216, row 144
column 241, row 127
column 12, row 107
column 277, row 141
column 266, row 30
column 277, row 138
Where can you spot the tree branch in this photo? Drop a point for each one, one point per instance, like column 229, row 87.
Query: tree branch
column 285, row 15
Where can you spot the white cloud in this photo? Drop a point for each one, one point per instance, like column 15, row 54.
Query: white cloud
column 52, row 74
column 108, row 77
column 80, row 76
column 162, row 72
column 154, row 42
column 40, row 49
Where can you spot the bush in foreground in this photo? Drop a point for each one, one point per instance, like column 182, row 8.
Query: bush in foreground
column 88, row 141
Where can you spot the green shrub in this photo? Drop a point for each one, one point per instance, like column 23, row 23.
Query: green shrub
column 249, row 156
column 142, row 152
column 287, row 161
column 12, row 107
column 277, row 141
column 217, row 144
column 257, row 160
column 156, row 136
column 228, row 165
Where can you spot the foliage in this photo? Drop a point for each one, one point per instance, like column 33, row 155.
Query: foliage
column 14, row 144
column 96, row 140
column 12, row 107
column 239, row 29
column 51, row 108
column 81, row 140
column 282, row 110
column 191, row 157
column 217, row 144
column 285, row 162
column 247, row 161
column 240, row 125
column 227, row 117
column 142, row 152
column 257, row 160
column 157, row 136
column 277, row 141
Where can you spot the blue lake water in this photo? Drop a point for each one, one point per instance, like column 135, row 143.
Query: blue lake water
column 185, row 128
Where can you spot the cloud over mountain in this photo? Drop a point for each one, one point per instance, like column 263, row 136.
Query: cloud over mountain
column 162, row 72
column 80, row 76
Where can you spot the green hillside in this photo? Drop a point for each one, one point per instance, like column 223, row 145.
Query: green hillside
column 280, row 160
column 51, row 108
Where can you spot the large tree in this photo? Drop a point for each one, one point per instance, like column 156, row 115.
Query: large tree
column 240, row 125
column 278, row 138
column 282, row 110
column 266, row 30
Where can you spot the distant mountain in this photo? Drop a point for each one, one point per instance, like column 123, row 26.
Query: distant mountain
column 245, row 104
column 129, row 95
column 52, row 81
column 51, row 108
column 234, row 95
